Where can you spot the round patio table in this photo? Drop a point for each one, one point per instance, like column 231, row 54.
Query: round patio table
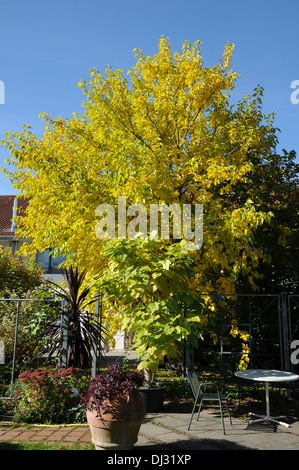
column 266, row 375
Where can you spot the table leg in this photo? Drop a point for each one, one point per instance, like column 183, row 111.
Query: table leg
column 268, row 417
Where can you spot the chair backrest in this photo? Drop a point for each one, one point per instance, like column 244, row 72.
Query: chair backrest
column 193, row 380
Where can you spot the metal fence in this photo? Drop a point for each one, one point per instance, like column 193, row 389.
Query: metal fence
column 271, row 321
column 64, row 325
column 16, row 332
column 272, row 324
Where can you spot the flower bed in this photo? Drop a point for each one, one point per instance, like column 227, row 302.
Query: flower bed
column 45, row 396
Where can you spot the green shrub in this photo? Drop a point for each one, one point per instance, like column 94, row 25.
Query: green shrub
column 17, row 274
column 177, row 389
column 33, row 316
column 45, row 396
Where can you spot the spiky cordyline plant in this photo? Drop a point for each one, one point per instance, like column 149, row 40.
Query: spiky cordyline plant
column 83, row 332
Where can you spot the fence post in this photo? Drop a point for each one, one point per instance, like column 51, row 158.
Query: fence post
column 15, row 346
column 15, row 343
column 285, row 332
column 64, row 334
column 2, row 352
column 95, row 344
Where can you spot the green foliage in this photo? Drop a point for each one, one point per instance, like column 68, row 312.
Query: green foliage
column 83, row 332
column 16, row 274
column 44, row 396
column 176, row 388
column 274, row 185
column 33, row 316
column 148, row 282
column 8, row 445
column 165, row 132
column 19, row 279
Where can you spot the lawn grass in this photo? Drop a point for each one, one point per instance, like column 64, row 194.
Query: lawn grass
column 9, row 445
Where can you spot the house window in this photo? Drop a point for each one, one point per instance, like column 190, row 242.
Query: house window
column 49, row 263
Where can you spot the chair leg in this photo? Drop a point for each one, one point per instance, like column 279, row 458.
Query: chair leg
column 221, row 412
column 195, row 403
column 199, row 410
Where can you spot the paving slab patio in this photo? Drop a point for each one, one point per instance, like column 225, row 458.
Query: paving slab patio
column 168, row 430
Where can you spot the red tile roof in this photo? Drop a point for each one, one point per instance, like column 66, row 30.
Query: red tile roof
column 7, row 211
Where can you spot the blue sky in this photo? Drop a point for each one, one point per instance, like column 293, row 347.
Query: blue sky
column 47, row 47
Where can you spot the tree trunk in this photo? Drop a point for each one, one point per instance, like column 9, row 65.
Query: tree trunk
column 148, row 377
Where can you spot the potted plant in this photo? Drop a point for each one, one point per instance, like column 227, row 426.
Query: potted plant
column 150, row 282
column 114, row 408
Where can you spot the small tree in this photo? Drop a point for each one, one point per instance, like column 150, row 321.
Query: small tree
column 149, row 281
column 165, row 132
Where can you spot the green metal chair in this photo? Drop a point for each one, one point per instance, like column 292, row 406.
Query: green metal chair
column 201, row 394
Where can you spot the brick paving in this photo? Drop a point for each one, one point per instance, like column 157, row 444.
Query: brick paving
column 168, row 430
column 64, row 434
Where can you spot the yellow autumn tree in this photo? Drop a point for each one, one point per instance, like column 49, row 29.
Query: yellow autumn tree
column 164, row 132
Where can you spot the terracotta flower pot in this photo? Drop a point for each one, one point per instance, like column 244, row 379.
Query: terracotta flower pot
column 117, row 427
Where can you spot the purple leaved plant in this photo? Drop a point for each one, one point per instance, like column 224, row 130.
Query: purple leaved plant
column 109, row 385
